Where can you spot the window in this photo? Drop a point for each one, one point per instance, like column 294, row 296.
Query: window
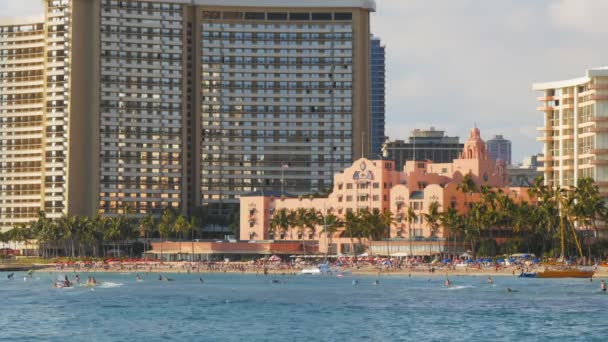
column 299, row 16
column 343, row 16
column 321, row 16
column 349, row 185
column 277, row 16
column 255, row 15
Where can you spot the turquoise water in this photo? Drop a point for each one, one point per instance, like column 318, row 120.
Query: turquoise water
column 229, row 307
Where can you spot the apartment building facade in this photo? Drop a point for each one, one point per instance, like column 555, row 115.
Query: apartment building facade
column 430, row 144
column 22, row 124
column 575, row 130
column 499, row 148
column 183, row 103
column 378, row 98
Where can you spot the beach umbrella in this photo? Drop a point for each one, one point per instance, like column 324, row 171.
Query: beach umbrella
column 536, row 261
column 469, row 261
column 500, row 260
column 446, row 261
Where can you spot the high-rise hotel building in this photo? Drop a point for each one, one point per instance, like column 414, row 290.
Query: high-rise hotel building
column 118, row 105
column 22, row 122
column 575, row 131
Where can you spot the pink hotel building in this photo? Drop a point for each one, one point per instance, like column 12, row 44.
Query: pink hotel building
column 375, row 184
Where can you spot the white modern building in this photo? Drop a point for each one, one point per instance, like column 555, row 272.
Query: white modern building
column 575, row 130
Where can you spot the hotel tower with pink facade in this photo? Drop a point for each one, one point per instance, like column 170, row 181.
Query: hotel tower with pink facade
column 376, row 184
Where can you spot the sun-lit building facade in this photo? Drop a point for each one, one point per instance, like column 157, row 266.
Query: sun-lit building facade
column 131, row 106
column 575, row 130
column 22, row 123
column 376, row 184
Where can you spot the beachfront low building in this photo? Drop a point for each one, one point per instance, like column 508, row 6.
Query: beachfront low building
column 376, row 184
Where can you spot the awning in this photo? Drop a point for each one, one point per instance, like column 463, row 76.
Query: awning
column 163, row 252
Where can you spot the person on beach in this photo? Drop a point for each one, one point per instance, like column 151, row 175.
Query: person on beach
column 603, row 286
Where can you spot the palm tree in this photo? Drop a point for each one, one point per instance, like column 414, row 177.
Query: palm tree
column 300, row 218
column 432, row 218
column 165, row 226
column 182, row 226
column 69, row 226
column 467, row 186
column 331, row 225
column 590, row 205
column 147, row 225
column 411, row 217
column 280, row 221
column 451, row 222
column 351, row 227
column 113, row 232
column 475, row 223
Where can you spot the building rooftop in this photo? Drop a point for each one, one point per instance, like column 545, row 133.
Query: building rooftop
column 593, row 72
column 21, row 21
column 268, row 193
column 365, row 4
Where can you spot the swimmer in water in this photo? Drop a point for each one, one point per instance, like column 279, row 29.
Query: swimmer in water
column 376, row 282
column 137, row 278
column 10, row 276
column 603, row 286
column 77, row 277
column 447, row 282
column 490, row 280
column 355, row 282
column 201, row 280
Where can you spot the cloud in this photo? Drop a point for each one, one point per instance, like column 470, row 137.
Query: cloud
column 453, row 63
column 21, row 8
column 587, row 16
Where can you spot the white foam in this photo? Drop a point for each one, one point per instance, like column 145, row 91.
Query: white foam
column 460, row 287
column 108, row 285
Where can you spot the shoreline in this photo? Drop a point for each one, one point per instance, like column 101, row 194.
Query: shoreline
column 602, row 272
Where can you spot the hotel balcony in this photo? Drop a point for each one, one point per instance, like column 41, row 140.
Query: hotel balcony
column 597, row 151
column 546, row 98
column 598, row 86
column 598, row 129
column 545, row 108
column 599, row 162
column 548, row 138
column 598, row 97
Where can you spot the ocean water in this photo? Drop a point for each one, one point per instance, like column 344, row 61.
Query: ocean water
column 231, row 307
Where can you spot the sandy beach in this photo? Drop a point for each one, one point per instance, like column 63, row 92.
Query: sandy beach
column 286, row 269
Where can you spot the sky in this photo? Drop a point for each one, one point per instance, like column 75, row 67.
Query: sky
column 453, row 64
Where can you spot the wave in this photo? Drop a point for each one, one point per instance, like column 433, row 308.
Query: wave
column 460, row 287
column 109, row 285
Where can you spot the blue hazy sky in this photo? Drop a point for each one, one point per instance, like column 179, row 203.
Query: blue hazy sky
column 455, row 63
